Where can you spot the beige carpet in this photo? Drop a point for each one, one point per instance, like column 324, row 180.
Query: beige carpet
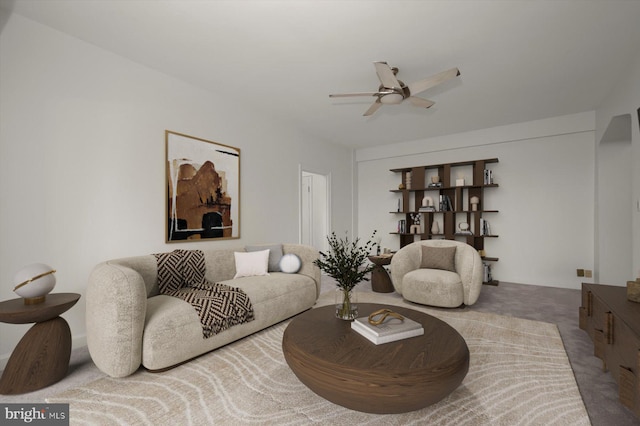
column 519, row 374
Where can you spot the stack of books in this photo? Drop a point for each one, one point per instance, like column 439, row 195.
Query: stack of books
column 391, row 330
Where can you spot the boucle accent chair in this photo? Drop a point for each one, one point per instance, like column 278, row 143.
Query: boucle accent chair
column 443, row 273
column 130, row 324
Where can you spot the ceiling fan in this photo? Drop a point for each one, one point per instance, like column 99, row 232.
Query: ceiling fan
column 393, row 91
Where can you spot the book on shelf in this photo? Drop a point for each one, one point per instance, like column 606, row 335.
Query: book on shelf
column 488, row 176
column 445, row 203
column 389, row 331
column 485, row 229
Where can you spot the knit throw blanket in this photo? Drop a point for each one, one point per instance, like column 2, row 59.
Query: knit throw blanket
column 181, row 274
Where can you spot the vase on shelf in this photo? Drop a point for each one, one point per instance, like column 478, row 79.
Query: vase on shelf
column 435, row 229
column 346, row 304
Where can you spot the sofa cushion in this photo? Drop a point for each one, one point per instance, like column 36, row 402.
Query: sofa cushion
column 433, row 287
column 439, row 258
column 172, row 332
column 252, row 263
column 275, row 254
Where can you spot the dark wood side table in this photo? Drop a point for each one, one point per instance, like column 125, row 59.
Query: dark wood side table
column 380, row 280
column 41, row 357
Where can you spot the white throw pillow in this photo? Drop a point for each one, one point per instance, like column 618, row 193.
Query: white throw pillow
column 251, row 264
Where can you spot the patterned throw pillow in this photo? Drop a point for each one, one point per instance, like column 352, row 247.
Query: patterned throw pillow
column 179, row 268
column 439, row 258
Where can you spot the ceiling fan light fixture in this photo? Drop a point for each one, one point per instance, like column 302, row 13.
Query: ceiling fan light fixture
column 393, row 91
column 391, row 99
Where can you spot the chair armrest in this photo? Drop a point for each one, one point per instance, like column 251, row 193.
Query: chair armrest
column 469, row 267
column 116, row 304
column 307, row 255
column 405, row 260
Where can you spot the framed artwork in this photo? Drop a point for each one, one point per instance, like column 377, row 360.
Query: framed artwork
column 203, row 189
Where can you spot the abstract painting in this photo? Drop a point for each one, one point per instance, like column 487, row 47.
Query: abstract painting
column 203, row 189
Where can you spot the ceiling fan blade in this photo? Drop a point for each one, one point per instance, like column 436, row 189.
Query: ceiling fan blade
column 420, row 102
column 386, row 75
column 373, row 108
column 434, row 80
column 345, row 95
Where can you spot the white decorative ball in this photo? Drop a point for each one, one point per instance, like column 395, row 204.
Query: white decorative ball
column 290, row 263
column 35, row 280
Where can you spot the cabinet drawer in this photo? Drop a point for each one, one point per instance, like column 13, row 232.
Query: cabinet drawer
column 629, row 388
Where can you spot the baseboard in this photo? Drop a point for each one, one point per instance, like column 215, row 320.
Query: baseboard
column 76, row 342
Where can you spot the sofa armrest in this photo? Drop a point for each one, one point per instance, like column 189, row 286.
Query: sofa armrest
column 307, row 255
column 116, row 304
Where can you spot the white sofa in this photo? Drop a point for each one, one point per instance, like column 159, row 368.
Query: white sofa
column 437, row 285
column 130, row 324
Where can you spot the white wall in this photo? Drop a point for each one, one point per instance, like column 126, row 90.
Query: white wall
column 625, row 99
column 82, row 153
column 545, row 198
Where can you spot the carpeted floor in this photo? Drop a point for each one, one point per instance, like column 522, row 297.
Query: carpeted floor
column 519, row 373
column 558, row 306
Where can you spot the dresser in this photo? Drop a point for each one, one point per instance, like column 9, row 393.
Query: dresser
column 613, row 323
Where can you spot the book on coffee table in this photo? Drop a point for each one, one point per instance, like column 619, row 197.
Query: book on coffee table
column 391, row 330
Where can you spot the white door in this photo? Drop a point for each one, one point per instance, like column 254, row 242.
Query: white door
column 314, row 211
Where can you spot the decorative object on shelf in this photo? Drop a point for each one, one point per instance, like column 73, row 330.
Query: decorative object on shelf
column 203, row 189
column 435, row 179
column 408, row 180
column 474, row 201
column 415, row 228
column 460, row 182
column 427, row 205
column 464, row 228
column 34, row 282
column 346, row 262
column 435, row 229
column 633, row 290
column 401, row 186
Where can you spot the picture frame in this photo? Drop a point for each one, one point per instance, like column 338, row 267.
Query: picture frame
column 202, row 189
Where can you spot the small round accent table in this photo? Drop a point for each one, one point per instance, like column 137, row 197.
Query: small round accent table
column 380, row 281
column 41, row 357
column 345, row 368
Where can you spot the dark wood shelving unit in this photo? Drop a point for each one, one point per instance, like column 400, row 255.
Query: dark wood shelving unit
column 414, row 187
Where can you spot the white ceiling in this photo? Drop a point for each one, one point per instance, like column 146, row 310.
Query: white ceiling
column 520, row 60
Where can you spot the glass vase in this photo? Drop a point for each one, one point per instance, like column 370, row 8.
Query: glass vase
column 346, row 304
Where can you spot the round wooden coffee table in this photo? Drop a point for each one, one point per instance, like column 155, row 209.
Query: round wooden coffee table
column 343, row 367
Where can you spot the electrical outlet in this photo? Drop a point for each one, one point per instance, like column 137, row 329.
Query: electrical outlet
column 580, row 272
column 588, row 273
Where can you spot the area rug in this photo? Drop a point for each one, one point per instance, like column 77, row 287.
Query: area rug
column 519, row 374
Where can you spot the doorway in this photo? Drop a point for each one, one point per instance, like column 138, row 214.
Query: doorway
column 314, row 209
column 614, row 207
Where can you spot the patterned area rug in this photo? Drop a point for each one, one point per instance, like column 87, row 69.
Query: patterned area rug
column 519, row 374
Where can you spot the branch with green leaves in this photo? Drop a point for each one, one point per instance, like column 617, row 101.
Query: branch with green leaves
column 344, row 261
